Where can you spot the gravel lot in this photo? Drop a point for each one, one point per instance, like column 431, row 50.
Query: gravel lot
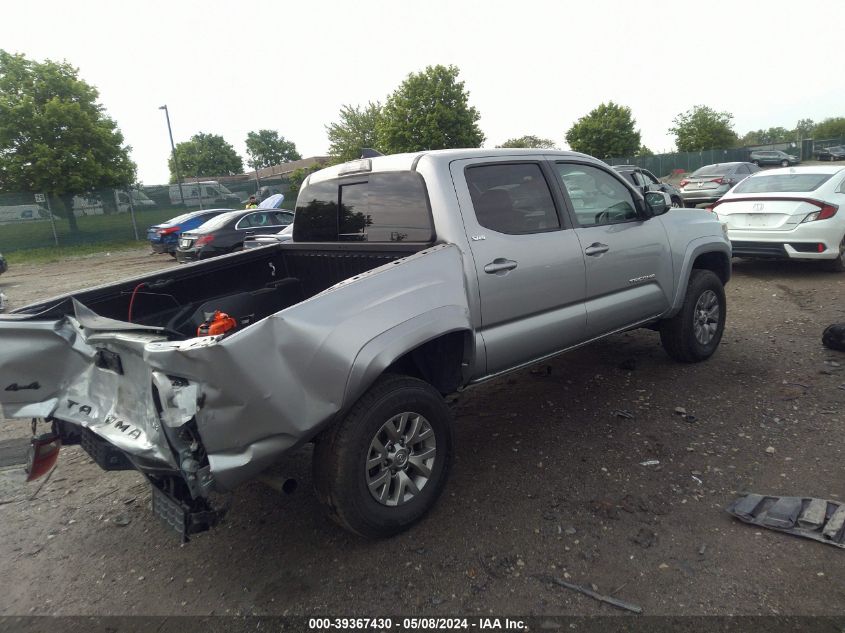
column 547, row 481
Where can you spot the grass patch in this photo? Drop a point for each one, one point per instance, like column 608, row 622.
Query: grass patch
column 58, row 253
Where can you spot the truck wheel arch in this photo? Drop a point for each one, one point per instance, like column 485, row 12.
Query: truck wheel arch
column 417, row 348
column 704, row 256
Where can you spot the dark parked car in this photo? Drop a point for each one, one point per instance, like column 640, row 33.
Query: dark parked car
column 164, row 237
column 645, row 181
column 226, row 232
column 773, row 157
column 837, row 152
column 711, row 182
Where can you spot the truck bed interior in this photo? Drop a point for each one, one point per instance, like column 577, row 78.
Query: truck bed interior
column 248, row 286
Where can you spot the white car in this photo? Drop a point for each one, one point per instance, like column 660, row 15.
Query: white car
column 789, row 213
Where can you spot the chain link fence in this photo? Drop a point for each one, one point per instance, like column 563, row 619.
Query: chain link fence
column 665, row 164
column 110, row 216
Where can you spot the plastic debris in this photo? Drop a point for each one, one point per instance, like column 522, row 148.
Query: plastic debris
column 621, row 413
column 818, row 519
column 650, row 462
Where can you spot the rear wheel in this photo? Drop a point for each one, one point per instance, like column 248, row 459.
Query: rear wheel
column 381, row 469
column 784, row 163
column 677, row 203
column 836, row 265
column 756, row 162
column 694, row 333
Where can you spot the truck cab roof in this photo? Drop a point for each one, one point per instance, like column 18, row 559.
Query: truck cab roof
column 409, row 161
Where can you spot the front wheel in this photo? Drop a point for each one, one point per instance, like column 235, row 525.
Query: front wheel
column 677, row 203
column 693, row 334
column 381, row 469
column 784, row 163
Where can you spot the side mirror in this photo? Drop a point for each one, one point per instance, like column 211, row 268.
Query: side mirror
column 657, row 203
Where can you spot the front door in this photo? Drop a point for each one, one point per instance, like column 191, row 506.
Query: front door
column 529, row 263
column 628, row 262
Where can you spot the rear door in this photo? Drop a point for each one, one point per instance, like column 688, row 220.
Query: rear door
column 529, row 262
column 628, row 263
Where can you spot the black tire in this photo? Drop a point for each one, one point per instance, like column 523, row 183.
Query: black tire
column 677, row 335
column 677, row 203
column 690, row 205
column 784, row 163
column 756, row 162
column 340, row 456
column 836, row 265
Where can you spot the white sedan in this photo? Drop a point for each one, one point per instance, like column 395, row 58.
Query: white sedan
column 789, row 213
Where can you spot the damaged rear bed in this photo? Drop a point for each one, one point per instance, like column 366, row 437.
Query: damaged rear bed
column 120, row 368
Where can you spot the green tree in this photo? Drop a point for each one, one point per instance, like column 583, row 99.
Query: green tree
column 830, row 128
column 298, row 176
column 768, row 136
column 643, row 151
column 266, row 148
column 605, row 132
column 429, row 110
column 529, row 141
column 805, row 128
column 55, row 136
column 355, row 130
column 206, row 155
column 703, row 128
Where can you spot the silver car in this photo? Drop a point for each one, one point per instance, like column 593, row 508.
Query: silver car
column 711, row 182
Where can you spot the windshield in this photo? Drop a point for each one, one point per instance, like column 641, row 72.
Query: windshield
column 713, row 170
column 782, row 183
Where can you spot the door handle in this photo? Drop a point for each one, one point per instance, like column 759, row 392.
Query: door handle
column 596, row 248
column 500, row 265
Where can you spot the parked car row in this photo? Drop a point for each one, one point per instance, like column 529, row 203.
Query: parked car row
column 207, row 233
column 227, row 232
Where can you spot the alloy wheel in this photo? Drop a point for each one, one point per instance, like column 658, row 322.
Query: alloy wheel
column 706, row 317
column 400, row 459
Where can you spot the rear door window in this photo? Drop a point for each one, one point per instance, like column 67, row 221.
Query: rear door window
column 512, row 198
column 379, row 207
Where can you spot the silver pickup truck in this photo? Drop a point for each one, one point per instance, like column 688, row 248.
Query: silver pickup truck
column 409, row 277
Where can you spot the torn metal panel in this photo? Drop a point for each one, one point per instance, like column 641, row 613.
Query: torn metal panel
column 276, row 383
column 818, row 519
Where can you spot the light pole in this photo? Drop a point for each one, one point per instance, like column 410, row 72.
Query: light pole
column 173, row 148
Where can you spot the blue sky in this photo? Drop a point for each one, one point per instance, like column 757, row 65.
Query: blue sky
column 531, row 67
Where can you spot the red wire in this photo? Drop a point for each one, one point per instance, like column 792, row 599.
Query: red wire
column 132, row 299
